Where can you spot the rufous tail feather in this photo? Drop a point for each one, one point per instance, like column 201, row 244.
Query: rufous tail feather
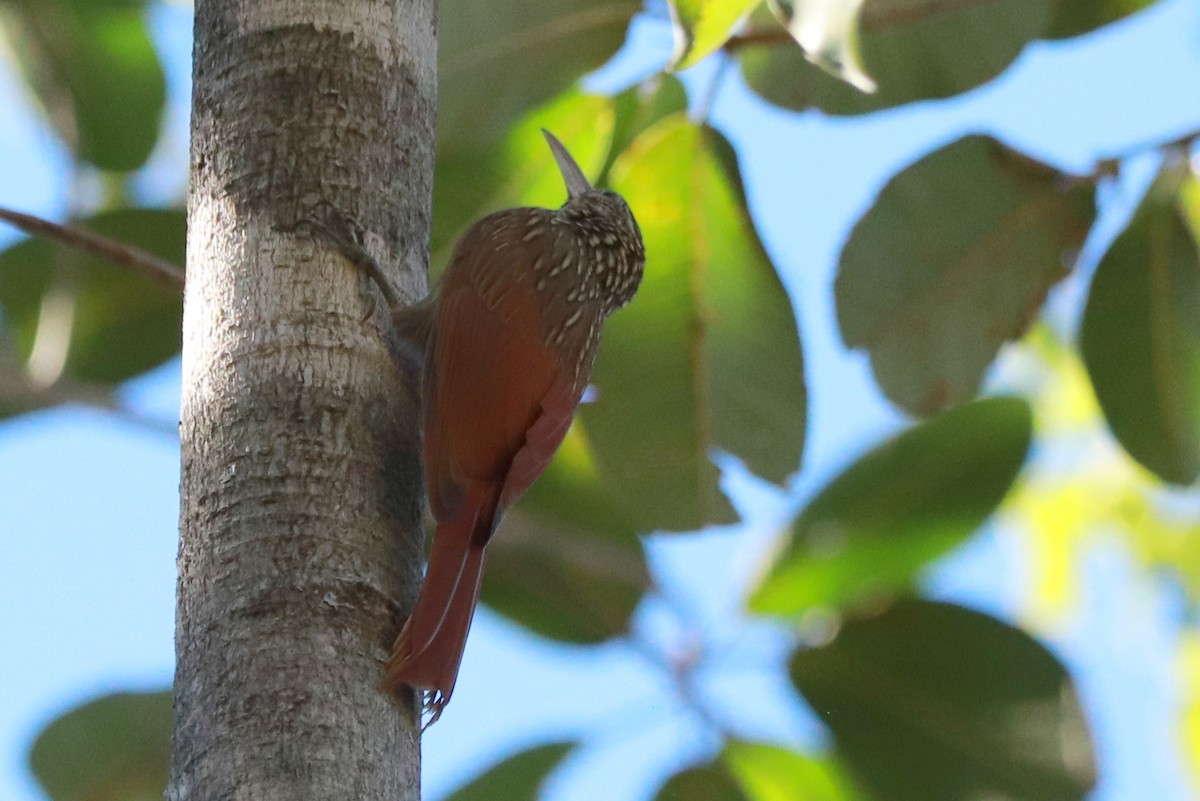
column 428, row 651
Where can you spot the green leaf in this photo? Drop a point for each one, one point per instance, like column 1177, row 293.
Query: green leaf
column 1077, row 17
column 908, row 501
column 932, row 701
column 953, row 260
column 567, row 563
column 94, row 70
column 914, row 51
column 478, row 178
column 115, row 748
column 498, row 60
column 1141, row 330
column 702, row 26
column 707, row 356
column 639, row 108
column 518, row 170
column 827, row 30
column 771, row 773
column 76, row 316
column 704, row 783
column 518, row 778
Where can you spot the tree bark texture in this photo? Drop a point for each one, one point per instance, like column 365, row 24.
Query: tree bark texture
column 301, row 492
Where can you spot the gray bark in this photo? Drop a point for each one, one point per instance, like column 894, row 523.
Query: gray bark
column 300, row 498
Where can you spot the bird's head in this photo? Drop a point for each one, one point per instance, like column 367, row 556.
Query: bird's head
column 600, row 213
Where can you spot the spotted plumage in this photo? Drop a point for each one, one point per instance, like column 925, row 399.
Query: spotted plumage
column 509, row 338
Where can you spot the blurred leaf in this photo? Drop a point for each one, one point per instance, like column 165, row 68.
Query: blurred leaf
column 827, row 30
column 1187, row 668
column 567, row 564
column 112, row 323
column 640, row 107
column 498, row 60
column 933, row 701
column 704, row 783
column 702, row 26
column 478, row 177
column 1077, row 17
column 1141, row 330
column 914, row 51
column 519, row 170
column 115, row 748
column 707, row 356
column 771, row 773
column 906, row 502
column 94, row 70
column 955, row 258
column 518, row 778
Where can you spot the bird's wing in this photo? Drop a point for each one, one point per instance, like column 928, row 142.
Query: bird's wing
column 498, row 398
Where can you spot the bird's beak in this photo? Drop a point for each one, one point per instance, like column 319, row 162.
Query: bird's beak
column 577, row 184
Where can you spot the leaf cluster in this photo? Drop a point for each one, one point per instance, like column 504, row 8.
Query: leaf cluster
column 953, row 260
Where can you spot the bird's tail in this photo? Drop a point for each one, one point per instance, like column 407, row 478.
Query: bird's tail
column 429, row 649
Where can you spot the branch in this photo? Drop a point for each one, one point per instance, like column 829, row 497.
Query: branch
column 23, row 395
column 1182, row 142
column 869, row 19
column 882, row 17
column 680, row 670
column 769, row 37
column 117, row 252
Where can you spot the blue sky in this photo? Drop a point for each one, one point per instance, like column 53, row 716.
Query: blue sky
column 88, row 502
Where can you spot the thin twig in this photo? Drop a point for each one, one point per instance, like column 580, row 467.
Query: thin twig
column 1181, row 142
column 682, row 674
column 882, row 16
column 870, row 18
column 117, row 252
column 769, row 37
column 19, row 393
column 146, row 422
column 710, row 93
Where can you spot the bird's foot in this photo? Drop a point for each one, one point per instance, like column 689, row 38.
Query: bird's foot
column 435, row 702
column 329, row 223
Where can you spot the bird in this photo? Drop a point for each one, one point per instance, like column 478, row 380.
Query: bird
column 507, row 341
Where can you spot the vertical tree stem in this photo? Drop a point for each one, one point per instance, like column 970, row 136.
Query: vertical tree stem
column 300, row 495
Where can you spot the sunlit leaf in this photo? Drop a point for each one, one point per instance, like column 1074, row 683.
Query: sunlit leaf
column 1057, row 518
column 702, row 26
column 1141, row 330
column 115, row 748
column 954, row 259
column 476, row 179
column 639, row 108
column 913, row 51
column 706, row 357
column 704, row 783
column 1188, row 671
column 827, row 30
column 567, row 563
column 95, row 72
column 498, row 60
column 518, row 778
column 908, row 501
column 1077, row 17
column 933, row 701
column 75, row 316
column 772, row 773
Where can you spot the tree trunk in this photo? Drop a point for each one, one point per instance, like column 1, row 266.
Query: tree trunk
column 301, row 505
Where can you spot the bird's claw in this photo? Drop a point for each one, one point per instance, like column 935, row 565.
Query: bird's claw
column 328, row 222
column 435, row 701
